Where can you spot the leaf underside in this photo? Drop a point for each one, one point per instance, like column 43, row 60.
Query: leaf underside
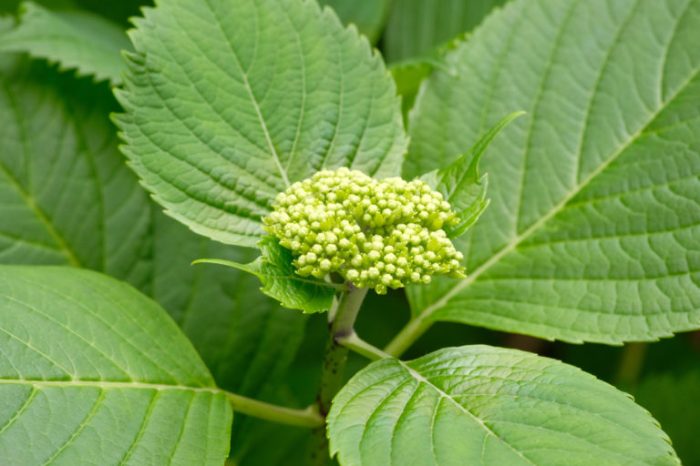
column 95, row 373
column 593, row 232
column 481, row 405
column 227, row 102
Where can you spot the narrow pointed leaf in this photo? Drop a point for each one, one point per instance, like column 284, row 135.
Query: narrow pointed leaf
column 93, row 372
column 485, row 406
column 461, row 184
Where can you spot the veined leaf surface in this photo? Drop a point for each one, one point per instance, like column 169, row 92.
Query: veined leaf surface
column 67, row 198
column 93, row 372
column 229, row 101
column 480, row 405
column 593, row 232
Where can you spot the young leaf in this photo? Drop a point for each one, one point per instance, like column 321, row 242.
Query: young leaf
column 276, row 272
column 595, row 195
column 367, row 15
column 462, row 185
column 94, row 372
column 416, row 27
column 484, row 405
column 74, row 39
column 228, row 102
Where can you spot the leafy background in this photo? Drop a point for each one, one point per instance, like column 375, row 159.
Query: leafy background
column 48, row 183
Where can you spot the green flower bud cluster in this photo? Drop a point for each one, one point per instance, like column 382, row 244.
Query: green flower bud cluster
column 374, row 233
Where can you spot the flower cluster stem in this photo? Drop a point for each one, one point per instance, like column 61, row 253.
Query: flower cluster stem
column 308, row 417
column 342, row 320
column 354, row 343
column 413, row 330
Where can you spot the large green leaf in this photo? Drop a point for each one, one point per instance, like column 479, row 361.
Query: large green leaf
column 65, row 194
column 416, row 27
column 367, row 15
column 66, row 197
column 480, row 405
column 93, row 372
column 593, row 232
column 73, row 39
column 228, row 101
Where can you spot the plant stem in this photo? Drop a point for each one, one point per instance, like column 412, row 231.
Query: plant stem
column 342, row 319
column 631, row 364
column 308, row 417
column 354, row 343
column 416, row 327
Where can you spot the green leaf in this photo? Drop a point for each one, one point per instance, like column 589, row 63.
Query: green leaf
column 227, row 102
column 461, row 184
column 73, row 39
column 416, row 27
column 66, row 196
column 484, row 405
column 672, row 399
column 49, row 184
column 367, row 15
column 247, row 340
column 94, row 372
column 276, row 272
column 594, row 224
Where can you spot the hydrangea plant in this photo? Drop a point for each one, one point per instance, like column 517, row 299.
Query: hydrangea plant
column 518, row 178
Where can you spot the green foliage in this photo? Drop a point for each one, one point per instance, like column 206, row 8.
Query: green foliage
column 462, row 185
column 294, row 93
column 60, row 155
column 591, row 234
column 367, row 15
column 416, row 27
column 484, row 405
column 280, row 281
column 74, row 39
column 595, row 193
column 66, row 196
column 94, row 371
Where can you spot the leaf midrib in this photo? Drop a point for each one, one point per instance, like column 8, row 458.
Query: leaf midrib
column 518, row 239
column 107, row 385
column 444, row 395
column 27, row 196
